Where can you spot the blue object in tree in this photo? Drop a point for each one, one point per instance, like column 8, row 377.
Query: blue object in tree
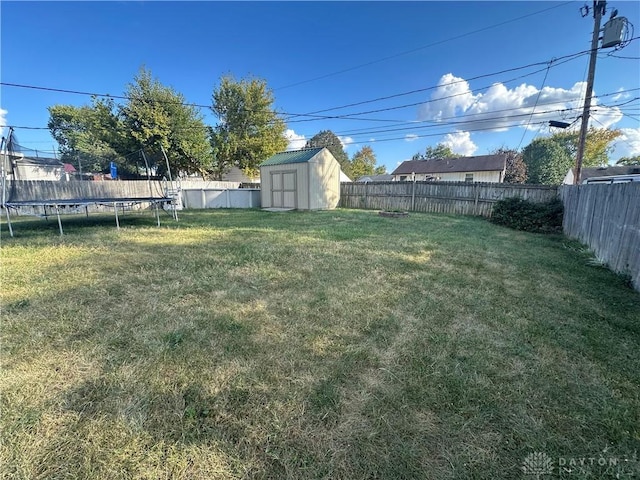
column 114, row 171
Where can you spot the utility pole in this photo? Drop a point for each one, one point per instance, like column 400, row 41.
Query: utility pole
column 598, row 11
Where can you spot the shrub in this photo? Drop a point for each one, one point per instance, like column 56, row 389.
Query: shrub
column 524, row 215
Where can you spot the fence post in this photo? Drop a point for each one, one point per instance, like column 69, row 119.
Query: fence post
column 413, row 193
column 366, row 196
column 475, row 203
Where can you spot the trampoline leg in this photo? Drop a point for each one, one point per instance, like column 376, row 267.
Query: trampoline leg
column 115, row 209
column 6, row 209
column 86, row 210
column 157, row 213
column 59, row 221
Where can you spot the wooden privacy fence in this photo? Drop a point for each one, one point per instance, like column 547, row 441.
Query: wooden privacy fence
column 607, row 219
column 462, row 198
column 21, row 190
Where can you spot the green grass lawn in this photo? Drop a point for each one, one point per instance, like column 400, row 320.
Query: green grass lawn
column 333, row 345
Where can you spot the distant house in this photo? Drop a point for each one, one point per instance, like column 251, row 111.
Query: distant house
column 307, row 179
column 608, row 171
column 32, row 168
column 482, row 168
column 344, row 177
column 387, row 177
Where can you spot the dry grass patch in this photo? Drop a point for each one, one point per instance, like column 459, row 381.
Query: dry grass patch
column 328, row 345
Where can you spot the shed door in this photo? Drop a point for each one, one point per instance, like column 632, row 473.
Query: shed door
column 283, row 189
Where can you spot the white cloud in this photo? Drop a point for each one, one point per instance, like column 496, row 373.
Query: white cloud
column 372, row 140
column 296, row 142
column 460, row 143
column 345, row 141
column 500, row 108
column 3, row 117
column 412, row 137
column 627, row 144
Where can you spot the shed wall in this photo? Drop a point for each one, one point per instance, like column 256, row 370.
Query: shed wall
column 324, row 181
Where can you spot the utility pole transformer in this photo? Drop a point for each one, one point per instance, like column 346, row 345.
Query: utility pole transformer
column 598, row 11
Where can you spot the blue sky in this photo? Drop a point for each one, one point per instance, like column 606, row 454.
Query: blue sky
column 317, row 56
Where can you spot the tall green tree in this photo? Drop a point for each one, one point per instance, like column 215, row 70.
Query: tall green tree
column 598, row 145
column 89, row 137
column 516, row 169
column 326, row 138
column 439, row 151
column 249, row 130
column 547, row 161
column 363, row 163
column 157, row 117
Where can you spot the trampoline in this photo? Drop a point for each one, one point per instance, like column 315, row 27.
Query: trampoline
column 76, row 206
column 61, row 197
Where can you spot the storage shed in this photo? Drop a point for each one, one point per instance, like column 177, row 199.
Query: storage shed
column 306, row 179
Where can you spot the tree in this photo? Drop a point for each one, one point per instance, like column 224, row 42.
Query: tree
column 598, row 145
column 153, row 118
column 249, row 130
column 89, row 137
column 439, row 151
column 516, row 169
column 629, row 161
column 364, row 163
column 157, row 117
column 547, row 161
column 326, row 138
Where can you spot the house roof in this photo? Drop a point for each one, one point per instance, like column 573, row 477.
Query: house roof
column 295, row 156
column 590, row 172
column 40, row 161
column 68, row 168
column 480, row 163
column 387, row 177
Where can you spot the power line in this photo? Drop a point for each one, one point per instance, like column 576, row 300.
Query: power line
column 422, row 102
column 413, row 123
column 420, row 90
column 497, row 120
column 432, row 123
column 418, row 48
column 314, row 114
column 535, row 104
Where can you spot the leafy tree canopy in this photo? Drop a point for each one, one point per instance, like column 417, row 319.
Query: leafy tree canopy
column 249, row 130
column 158, row 117
column 516, row 169
column 364, row 163
column 439, row 151
column 598, row 145
column 547, row 161
column 152, row 116
column 89, row 137
column 326, row 138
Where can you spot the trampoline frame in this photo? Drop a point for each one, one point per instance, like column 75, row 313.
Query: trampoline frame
column 154, row 202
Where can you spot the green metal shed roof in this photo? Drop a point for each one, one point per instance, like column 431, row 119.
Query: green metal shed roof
column 296, row 156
